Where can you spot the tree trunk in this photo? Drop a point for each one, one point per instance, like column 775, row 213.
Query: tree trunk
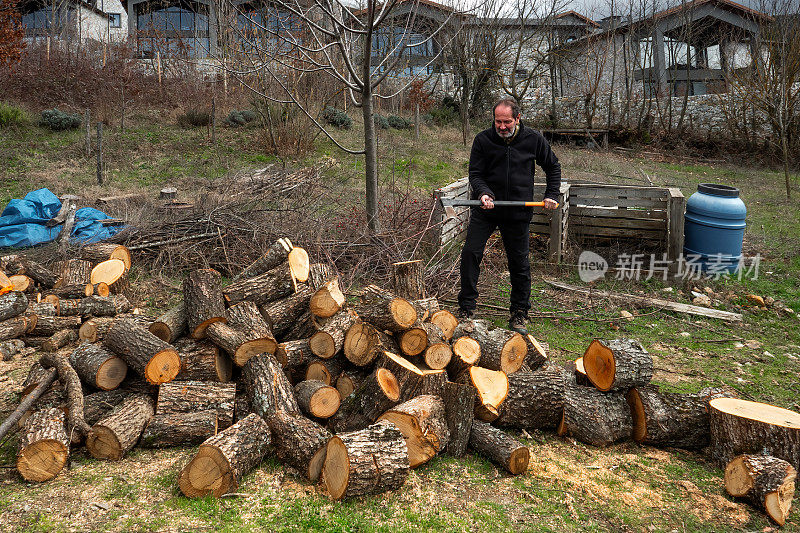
column 618, row 364
column 48, row 325
column 117, row 432
column 202, row 361
column 69, row 306
column 97, row 367
column 244, row 335
column 195, row 396
column 535, row 399
column 276, row 254
column 203, row 301
column 12, row 304
column 491, row 388
column 317, row 399
column 283, row 313
column 113, row 305
column 171, row 325
column 43, row 445
column 179, row 429
column 42, row 309
column 459, row 403
column 97, row 289
column 408, row 279
column 370, row 158
column 327, row 300
column 767, row 482
column 425, row 308
column 224, row 459
column 499, row 447
column 329, row 340
column 501, row 349
column 423, row 424
column 378, row 393
column 268, row 387
column 594, row 417
column 149, row 356
column 299, row 442
column 369, row 461
column 103, row 251
column 267, row 287
column 385, row 311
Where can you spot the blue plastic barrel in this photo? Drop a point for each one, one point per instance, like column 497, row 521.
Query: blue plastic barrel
column 714, row 226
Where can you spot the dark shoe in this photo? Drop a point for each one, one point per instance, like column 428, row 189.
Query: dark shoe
column 464, row 313
column 519, row 322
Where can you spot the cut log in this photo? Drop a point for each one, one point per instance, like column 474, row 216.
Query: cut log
column 48, row 325
column 76, row 425
column 171, row 325
column 299, row 264
column 302, row 328
column 327, row 300
column 744, row 427
column 425, row 307
column 595, row 417
column 767, row 482
column 535, row 399
column 267, row 386
column 329, row 340
column 349, row 380
column 10, row 348
column 202, row 361
column 97, row 289
column 378, row 393
column 59, row 339
column 325, row 370
column 446, row 321
column 491, row 388
column 276, row 254
column 236, row 343
column 148, row 356
column 386, row 311
column 267, row 287
column 99, row 404
column 43, row 445
column 113, row 273
column 247, row 318
column 42, row 309
column 299, row 442
column 671, row 419
column 579, row 372
column 113, row 305
column 423, row 424
column 179, row 429
column 69, row 307
column 95, row 329
column 103, row 251
column 317, row 399
column 410, row 378
column 203, row 302
column 12, row 304
column 437, row 354
column 433, row 380
column 22, row 283
column 537, row 354
column 617, row 364
column 224, row 459
column 370, row 461
column 499, row 447
column 413, row 341
column 363, row 344
column 294, row 354
column 194, row 396
column 283, row 313
column 117, row 432
column 17, row 326
column 501, row 349
column 408, row 279
column 459, row 405
column 36, row 375
column 75, row 272
column 466, row 350
column 69, row 292
column 42, row 275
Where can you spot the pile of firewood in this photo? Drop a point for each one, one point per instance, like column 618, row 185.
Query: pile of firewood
column 354, row 393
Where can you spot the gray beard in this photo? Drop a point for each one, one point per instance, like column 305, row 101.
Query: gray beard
column 506, row 135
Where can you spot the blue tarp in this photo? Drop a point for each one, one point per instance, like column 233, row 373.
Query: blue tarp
column 22, row 223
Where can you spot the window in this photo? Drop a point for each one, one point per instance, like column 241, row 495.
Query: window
column 180, row 29
column 115, row 20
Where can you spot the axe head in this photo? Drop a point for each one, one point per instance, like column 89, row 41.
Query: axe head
column 449, row 211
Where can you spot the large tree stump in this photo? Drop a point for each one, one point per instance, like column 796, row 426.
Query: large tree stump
column 671, row 419
column 195, row 396
column 423, row 424
column 617, row 364
column 595, row 417
column 103, row 251
column 317, row 399
column 171, row 325
column 43, row 445
column 281, row 314
column 149, row 356
column 741, row 426
column 446, row 321
column 117, row 432
column 202, row 361
column 767, row 482
column 459, row 404
column 329, row 340
column 369, row 461
column 223, row 460
column 113, row 273
column 535, row 399
column 327, row 300
column 267, row 386
column 179, row 429
column 501, row 349
column 203, row 301
column 48, row 325
column 97, row 367
column 386, row 311
column 12, row 304
column 267, row 287
column 491, row 389
column 499, row 447
column 363, row 344
column 299, row 442
column 378, row 393
column 295, row 354
column 277, row 253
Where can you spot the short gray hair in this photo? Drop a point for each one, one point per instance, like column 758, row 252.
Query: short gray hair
column 507, row 102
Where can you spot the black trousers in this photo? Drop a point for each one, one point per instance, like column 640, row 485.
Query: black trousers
column 516, row 241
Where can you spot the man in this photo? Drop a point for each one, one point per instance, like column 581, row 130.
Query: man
column 501, row 167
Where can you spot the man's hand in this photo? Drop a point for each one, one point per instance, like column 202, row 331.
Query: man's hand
column 549, row 203
column 487, row 201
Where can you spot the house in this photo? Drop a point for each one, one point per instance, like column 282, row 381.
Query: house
column 100, row 21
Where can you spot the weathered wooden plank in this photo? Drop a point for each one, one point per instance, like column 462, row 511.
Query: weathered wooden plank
column 607, row 222
column 592, row 231
column 617, row 191
column 643, row 203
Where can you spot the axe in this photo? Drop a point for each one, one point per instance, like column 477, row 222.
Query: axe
column 449, row 204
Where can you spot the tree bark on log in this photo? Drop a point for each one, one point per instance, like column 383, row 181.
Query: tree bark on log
column 744, row 427
column 48, row 325
column 277, row 253
column 370, row 461
column 95, row 329
column 446, row 321
column 224, row 459
column 247, row 318
column 103, row 251
column 423, row 424
column 98, row 404
column 363, row 344
column 499, row 447
column 767, row 482
column 179, row 429
column 425, row 307
column 171, row 325
column 501, row 349
column 72, row 388
column 113, row 305
column 349, row 380
column 42, row 275
column 75, row 272
column 595, row 417
column 117, row 432
column 537, row 354
column 69, row 306
column 59, row 339
column 491, row 389
column 97, row 367
column 459, row 405
column 268, row 387
column 202, row 361
column 203, row 301
column 16, row 327
column 97, row 289
column 295, row 354
column 267, row 287
column 378, row 393
column 325, row 370
column 195, row 396
column 42, row 309
column 12, row 304
column 317, row 399
column 329, row 340
column 327, row 300
column 617, row 364
column 535, row 399
column 149, row 356
column 386, row 311
column 302, row 328
column 408, row 279
column 283, row 313
column 43, row 445
column 299, row 442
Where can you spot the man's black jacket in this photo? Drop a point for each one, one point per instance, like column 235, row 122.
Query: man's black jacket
column 505, row 171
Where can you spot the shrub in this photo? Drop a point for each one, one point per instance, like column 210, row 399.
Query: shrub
column 194, row 118
column 249, row 115
column 337, row 118
column 239, row 118
column 381, row 122
column 445, row 114
column 11, row 115
column 399, row 123
column 58, row 120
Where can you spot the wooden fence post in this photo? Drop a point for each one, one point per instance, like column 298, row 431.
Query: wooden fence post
column 99, row 153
